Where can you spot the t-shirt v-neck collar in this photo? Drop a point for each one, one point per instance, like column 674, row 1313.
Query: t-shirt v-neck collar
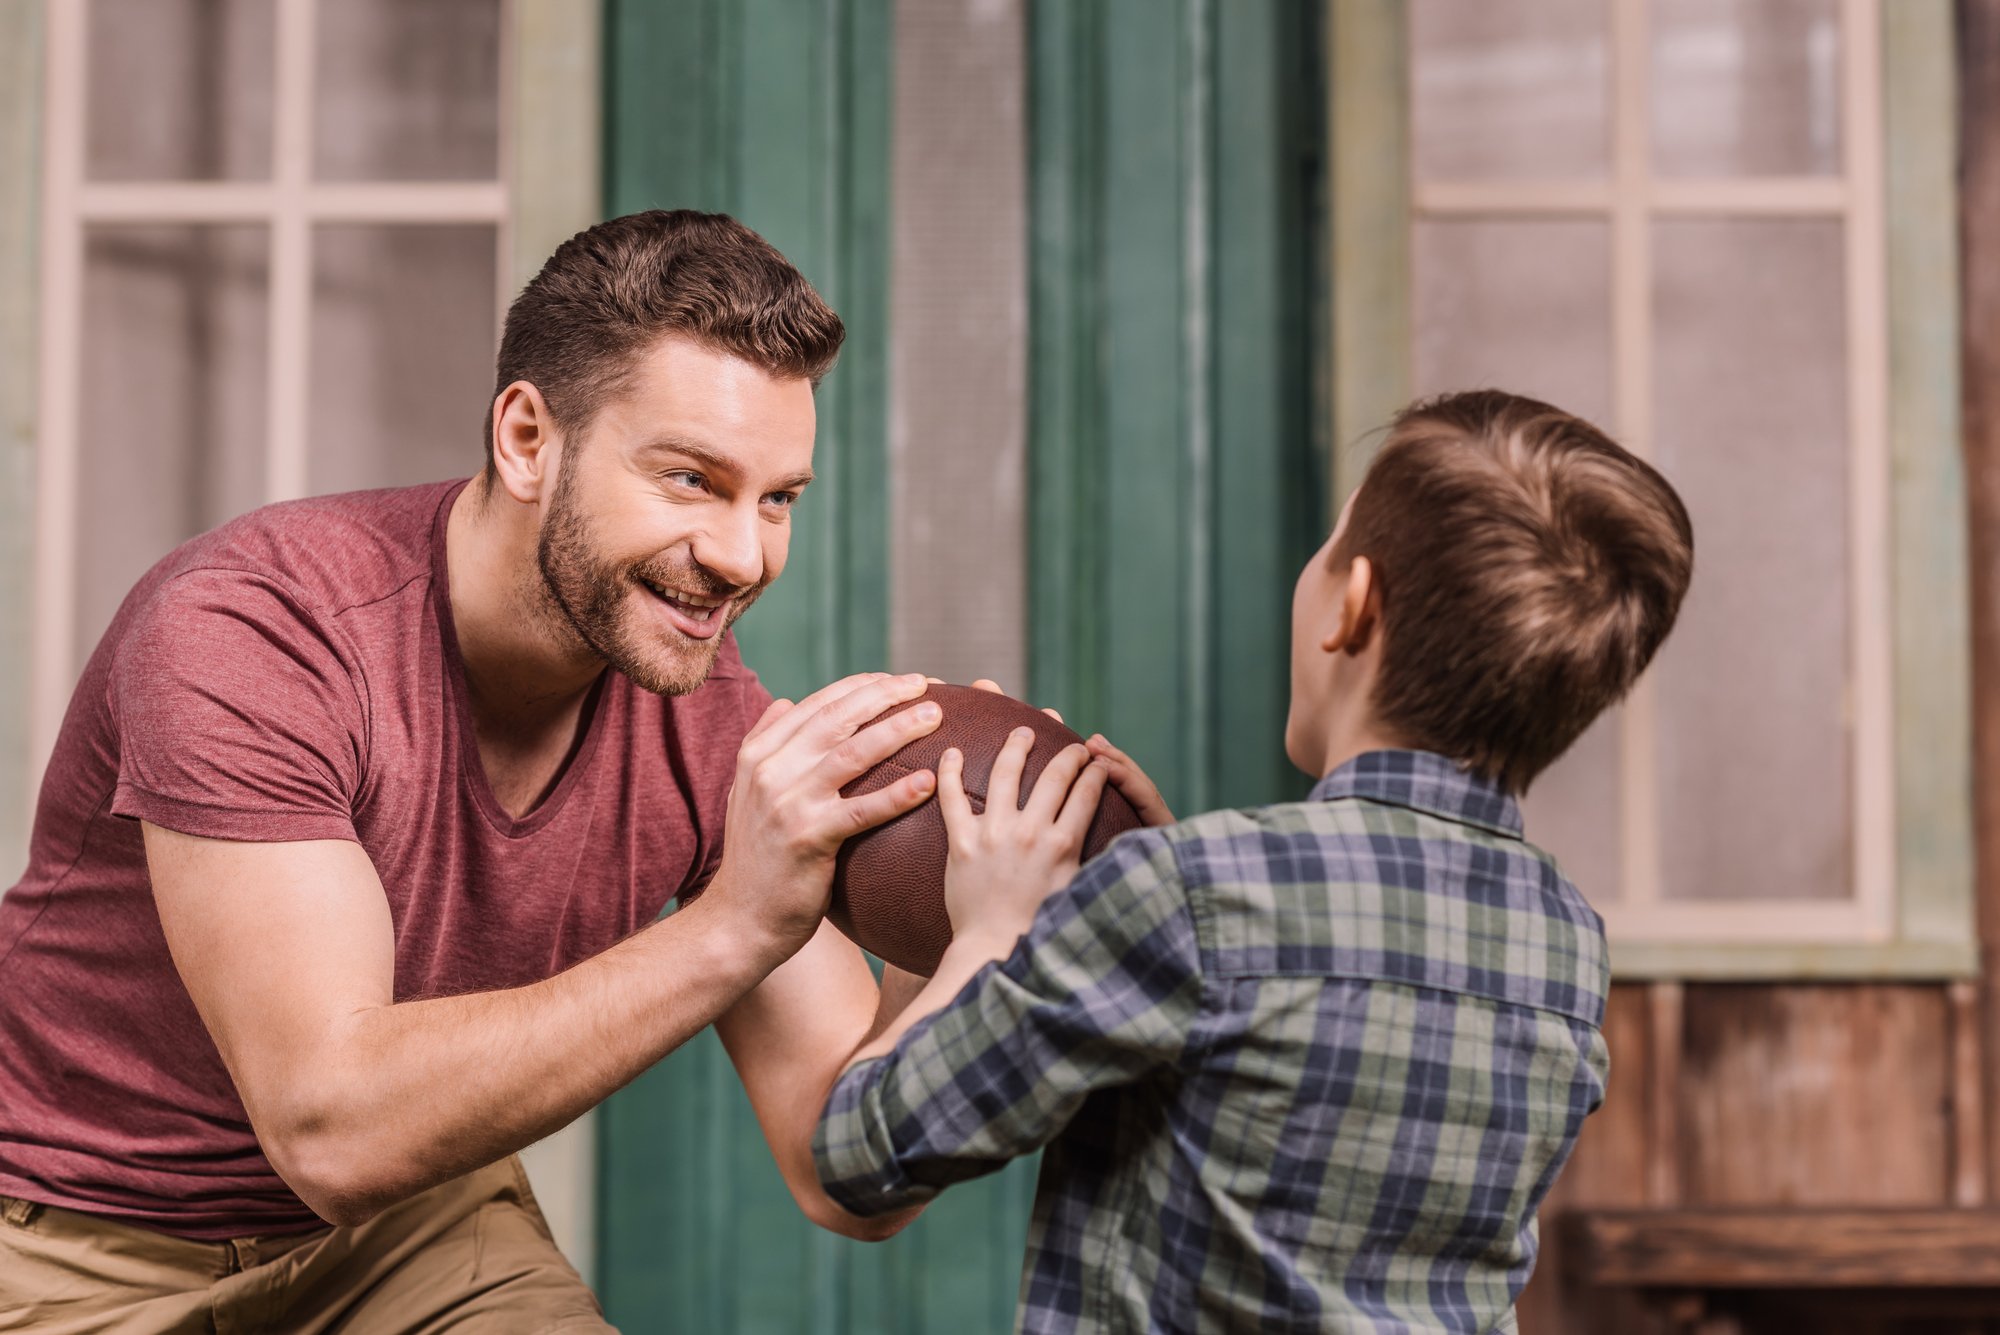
column 472, row 765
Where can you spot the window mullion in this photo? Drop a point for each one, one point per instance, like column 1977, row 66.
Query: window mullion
column 291, row 254
column 1870, row 627
column 1632, row 400
column 56, row 514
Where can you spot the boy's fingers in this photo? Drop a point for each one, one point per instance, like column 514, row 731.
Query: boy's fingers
column 1003, row 785
column 1053, row 785
column 1080, row 807
column 951, row 792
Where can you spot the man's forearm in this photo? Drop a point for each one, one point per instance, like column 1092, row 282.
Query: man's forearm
column 413, row 1094
column 963, row 959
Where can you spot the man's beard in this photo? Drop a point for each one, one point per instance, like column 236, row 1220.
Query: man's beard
column 587, row 596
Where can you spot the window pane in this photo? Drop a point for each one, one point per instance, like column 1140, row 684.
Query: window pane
column 402, row 346
column 1746, row 88
column 1573, row 811
column 180, row 90
column 1526, row 306
column 1517, row 305
column 1509, row 88
column 408, row 91
column 1750, row 376
column 172, row 418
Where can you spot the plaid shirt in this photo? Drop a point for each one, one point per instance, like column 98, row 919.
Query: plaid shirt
column 1298, row 1068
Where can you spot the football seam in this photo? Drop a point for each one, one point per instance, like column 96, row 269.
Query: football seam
column 974, row 798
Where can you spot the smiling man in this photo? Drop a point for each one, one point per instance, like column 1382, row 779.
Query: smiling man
column 346, row 878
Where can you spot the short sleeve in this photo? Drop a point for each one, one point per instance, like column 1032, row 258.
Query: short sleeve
column 1105, row 988
column 236, row 716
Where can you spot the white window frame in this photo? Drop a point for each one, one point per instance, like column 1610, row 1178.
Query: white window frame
column 1629, row 200
column 549, row 134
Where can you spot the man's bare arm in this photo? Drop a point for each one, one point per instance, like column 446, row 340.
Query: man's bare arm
column 287, row 950
column 789, row 1038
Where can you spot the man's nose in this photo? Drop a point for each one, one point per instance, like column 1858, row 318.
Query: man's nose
column 732, row 550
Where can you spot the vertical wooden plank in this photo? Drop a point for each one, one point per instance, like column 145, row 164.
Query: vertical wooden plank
column 20, row 199
column 1978, row 70
column 1067, row 550
column 1815, row 1095
column 1269, row 152
column 1666, row 1004
column 1369, row 201
column 1968, row 1098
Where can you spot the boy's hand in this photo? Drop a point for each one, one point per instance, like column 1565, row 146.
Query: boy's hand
column 1005, row 862
column 1131, row 781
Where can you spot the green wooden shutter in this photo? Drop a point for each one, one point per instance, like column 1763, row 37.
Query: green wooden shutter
column 1177, row 479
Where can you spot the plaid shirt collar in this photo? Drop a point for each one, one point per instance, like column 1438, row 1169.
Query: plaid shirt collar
column 1427, row 782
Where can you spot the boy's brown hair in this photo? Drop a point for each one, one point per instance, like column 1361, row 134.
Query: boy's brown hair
column 1529, row 568
column 609, row 291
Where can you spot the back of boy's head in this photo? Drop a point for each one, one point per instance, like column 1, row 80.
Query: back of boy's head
column 1529, row 568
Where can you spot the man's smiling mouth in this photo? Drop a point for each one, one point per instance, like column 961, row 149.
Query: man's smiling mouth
column 692, row 606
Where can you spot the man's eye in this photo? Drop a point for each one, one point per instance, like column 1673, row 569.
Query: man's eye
column 782, row 499
column 692, row 481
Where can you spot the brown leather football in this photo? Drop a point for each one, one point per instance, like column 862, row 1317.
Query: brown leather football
column 888, row 883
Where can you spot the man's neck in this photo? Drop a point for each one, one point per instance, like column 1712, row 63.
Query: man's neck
column 522, row 673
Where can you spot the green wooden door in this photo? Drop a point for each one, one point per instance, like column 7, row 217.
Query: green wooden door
column 1174, row 491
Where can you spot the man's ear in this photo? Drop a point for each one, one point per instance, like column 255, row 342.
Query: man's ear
column 1360, row 610
column 526, row 444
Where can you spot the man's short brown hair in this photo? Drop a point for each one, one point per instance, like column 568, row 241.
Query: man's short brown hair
column 1529, row 569
column 608, row 292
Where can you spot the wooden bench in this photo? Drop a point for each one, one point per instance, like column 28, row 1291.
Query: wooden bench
column 1829, row 1270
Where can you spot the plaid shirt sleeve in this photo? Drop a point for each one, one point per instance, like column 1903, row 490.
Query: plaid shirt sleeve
column 1105, row 987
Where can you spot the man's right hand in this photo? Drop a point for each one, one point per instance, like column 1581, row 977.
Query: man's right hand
column 787, row 818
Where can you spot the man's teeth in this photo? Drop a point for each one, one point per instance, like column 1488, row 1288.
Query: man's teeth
column 688, row 599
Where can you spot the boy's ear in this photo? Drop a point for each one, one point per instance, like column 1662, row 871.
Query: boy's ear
column 1360, row 610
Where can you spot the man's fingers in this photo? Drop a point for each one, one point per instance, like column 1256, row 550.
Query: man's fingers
column 988, row 684
column 774, row 711
column 1053, row 784
column 802, row 713
column 1053, row 714
column 842, row 718
column 1100, row 745
column 1003, row 784
column 1080, row 807
column 871, row 809
column 1132, row 782
column 952, row 801
column 876, row 743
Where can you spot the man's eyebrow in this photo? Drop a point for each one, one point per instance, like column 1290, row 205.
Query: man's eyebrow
column 715, row 461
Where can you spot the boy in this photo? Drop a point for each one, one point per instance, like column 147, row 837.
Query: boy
column 1309, row 1066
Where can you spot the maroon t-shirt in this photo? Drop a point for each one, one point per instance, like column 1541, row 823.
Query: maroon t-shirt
column 295, row 675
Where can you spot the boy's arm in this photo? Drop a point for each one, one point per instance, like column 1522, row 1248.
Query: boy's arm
column 1105, row 987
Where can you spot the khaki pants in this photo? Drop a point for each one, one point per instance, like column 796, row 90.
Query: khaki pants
column 473, row 1257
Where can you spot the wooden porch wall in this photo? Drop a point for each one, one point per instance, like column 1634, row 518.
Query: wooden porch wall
column 1828, row 1094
